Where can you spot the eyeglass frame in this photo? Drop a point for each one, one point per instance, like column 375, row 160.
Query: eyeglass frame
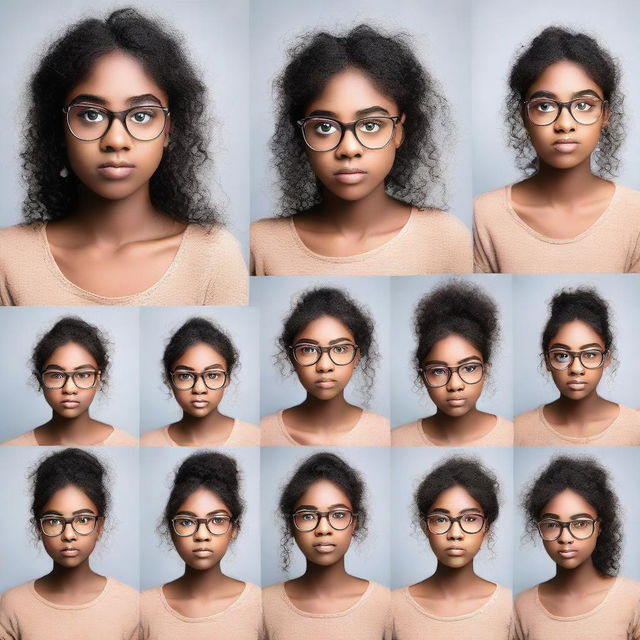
column 117, row 115
column 70, row 374
column 323, row 514
column 199, row 375
column 322, row 350
column 348, row 126
column 567, row 525
column 457, row 519
column 574, row 355
column 69, row 521
column 451, row 371
column 202, row 521
column 561, row 106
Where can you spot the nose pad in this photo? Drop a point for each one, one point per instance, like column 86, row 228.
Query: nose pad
column 116, row 137
column 349, row 146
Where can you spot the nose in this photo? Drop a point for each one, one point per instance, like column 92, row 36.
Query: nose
column 116, row 138
column 456, row 532
column 69, row 386
column 565, row 121
column 565, row 536
column 324, row 363
column 68, row 533
column 349, row 146
column 576, row 366
column 202, row 533
column 456, row 383
column 199, row 386
column 323, row 527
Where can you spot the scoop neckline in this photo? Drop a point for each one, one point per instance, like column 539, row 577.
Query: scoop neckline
column 471, row 443
column 57, row 272
column 337, row 614
column 70, row 607
column 285, row 431
column 357, row 257
column 213, row 616
column 548, row 239
column 176, row 444
column 577, row 439
column 580, row 616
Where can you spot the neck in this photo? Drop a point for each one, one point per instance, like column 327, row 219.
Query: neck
column 325, row 414
column 565, row 186
column 580, row 410
column 451, row 581
column 579, row 579
column 455, row 428
column 70, row 426
column 71, row 579
column 325, row 579
column 355, row 215
column 201, row 427
column 197, row 582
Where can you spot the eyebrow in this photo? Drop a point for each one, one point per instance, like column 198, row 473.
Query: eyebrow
column 312, row 507
column 553, row 96
column 75, row 513
column 359, row 113
column 57, row 367
column 446, row 511
column 211, row 513
column 577, row 516
column 310, row 341
column 211, row 366
column 442, row 362
column 559, row 345
column 134, row 100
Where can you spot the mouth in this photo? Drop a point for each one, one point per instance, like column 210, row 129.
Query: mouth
column 350, row 175
column 566, row 145
column 567, row 553
column 116, row 170
column 203, row 553
column 455, row 551
column 456, row 402
column 69, row 552
column 70, row 404
column 576, row 385
column 325, row 383
column 324, row 547
column 199, row 404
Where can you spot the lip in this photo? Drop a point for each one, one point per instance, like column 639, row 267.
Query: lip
column 455, row 551
column 456, row 402
column 350, row 175
column 70, row 404
column 568, row 553
column 565, row 146
column 576, row 385
column 116, row 170
column 69, row 552
column 325, row 383
column 199, row 404
column 324, row 547
column 203, row 553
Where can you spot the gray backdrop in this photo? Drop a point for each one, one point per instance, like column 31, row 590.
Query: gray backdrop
column 532, row 564
column 159, row 563
column 442, row 41
column 408, row 403
column 368, row 559
column 241, row 398
column 274, row 297
column 498, row 31
column 533, row 385
column 115, row 555
column 216, row 37
column 411, row 557
column 22, row 406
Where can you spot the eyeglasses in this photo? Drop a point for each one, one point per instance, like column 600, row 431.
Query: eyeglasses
column 581, row 528
column 56, row 379
column 307, row 520
column 83, row 524
column 325, row 134
column 561, row 359
column 88, row 122
column 307, row 355
column 185, row 526
column 439, row 524
column 545, row 111
column 437, row 375
column 213, row 379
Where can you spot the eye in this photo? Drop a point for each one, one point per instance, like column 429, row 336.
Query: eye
column 183, row 376
column 308, row 516
column 438, row 371
column 581, row 524
column 84, row 375
column 306, row 349
column 340, row 348
column 186, row 522
column 54, row 375
column 218, row 520
column 439, row 519
column 545, row 106
column 338, row 515
column 91, row 116
column 472, row 518
column 549, row 524
column 590, row 355
column 213, row 375
column 470, row 368
column 583, row 106
column 52, row 521
column 142, row 117
column 561, row 356
column 371, row 126
column 83, row 520
column 325, row 128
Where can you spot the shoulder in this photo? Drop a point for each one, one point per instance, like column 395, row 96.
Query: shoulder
column 504, row 596
column 17, row 596
column 120, row 438
column 490, row 203
column 436, row 221
column 27, row 439
column 528, row 417
column 252, row 594
column 20, row 239
column 271, row 431
column 155, row 438
column 269, row 225
column 526, row 599
column 628, row 196
column 269, row 232
column 244, row 434
column 211, row 240
column 377, row 596
column 273, row 593
column 121, row 590
column 150, row 599
column 407, row 435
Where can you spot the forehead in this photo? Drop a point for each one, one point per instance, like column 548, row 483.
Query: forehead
column 325, row 329
column 69, row 499
column 564, row 79
column 452, row 349
column 456, row 499
column 203, row 501
column 576, row 334
column 70, row 355
column 323, row 494
column 200, row 356
column 348, row 92
column 568, row 503
column 116, row 77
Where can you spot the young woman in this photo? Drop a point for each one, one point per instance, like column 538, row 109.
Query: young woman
column 577, row 347
column 456, row 327
column 573, row 508
column 325, row 338
column 322, row 510
column 70, row 504
column 456, row 505
column 199, row 361
column 356, row 147
column 115, row 211
column 566, row 125
column 70, row 363
column 203, row 517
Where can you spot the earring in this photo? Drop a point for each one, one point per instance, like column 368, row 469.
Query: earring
column 64, row 172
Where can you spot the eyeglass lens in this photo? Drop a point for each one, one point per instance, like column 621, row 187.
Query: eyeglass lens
column 55, row 525
column 186, row 526
column 213, row 379
column 323, row 134
column 309, row 354
column 83, row 379
column 543, row 111
column 469, row 523
column 580, row 529
column 91, row 123
column 439, row 376
column 308, row 520
column 561, row 359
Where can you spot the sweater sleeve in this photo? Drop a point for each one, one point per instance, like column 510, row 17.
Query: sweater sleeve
column 229, row 282
column 484, row 255
column 9, row 628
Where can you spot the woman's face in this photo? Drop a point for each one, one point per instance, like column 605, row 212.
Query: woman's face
column 565, row 143
column 455, row 548
column 457, row 397
column 577, row 381
column 70, row 401
column 351, row 171
column 70, row 549
column 324, row 545
column 325, row 380
column 200, row 401
column 568, row 552
column 117, row 165
column 203, row 550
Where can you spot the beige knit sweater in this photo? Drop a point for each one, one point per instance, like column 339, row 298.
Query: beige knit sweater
column 504, row 243
column 430, row 242
column 617, row 617
column 242, row 434
column 117, row 438
column 207, row 269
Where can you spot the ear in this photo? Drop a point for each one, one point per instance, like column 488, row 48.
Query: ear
column 547, row 366
column 607, row 360
column 99, row 528
column 234, row 532
column 398, row 138
column 227, row 382
column 423, row 527
column 167, row 129
column 606, row 114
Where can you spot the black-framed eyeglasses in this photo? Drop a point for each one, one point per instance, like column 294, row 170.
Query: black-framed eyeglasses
column 212, row 378
column 586, row 110
column 306, row 520
column 56, row 379
column 307, row 355
column 89, row 122
column 581, row 528
column 83, row 524
column 561, row 359
column 439, row 523
column 437, row 375
column 217, row 525
column 325, row 134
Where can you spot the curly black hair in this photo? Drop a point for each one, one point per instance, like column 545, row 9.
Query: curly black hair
column 327, row 301
column 195, row 331
column 176, row 187
column 552, row 45
column 589, row 479
column 389, row 61
column 584, row 304
column 458, row 471
column 71, row 329
column 321, row 466
column 75, row 467
column 209, row 470
column 456, row 307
